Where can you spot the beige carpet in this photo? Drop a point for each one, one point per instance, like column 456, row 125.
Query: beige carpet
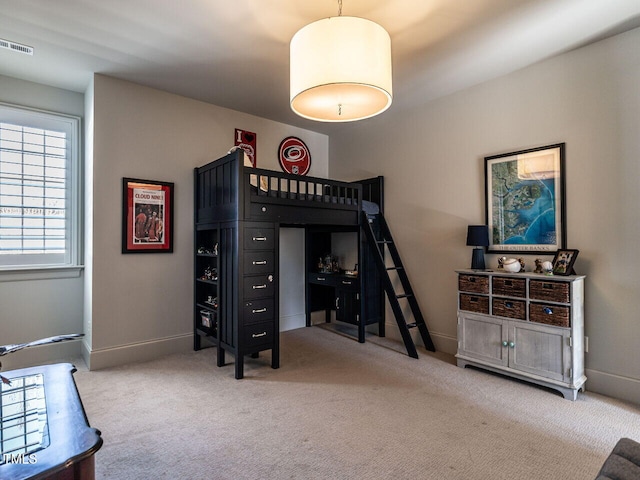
column 337, row 409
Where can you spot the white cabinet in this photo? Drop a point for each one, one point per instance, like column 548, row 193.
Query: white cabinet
column 528, row 326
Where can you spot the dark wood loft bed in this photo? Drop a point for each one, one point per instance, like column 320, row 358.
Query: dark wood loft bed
column 238, row 214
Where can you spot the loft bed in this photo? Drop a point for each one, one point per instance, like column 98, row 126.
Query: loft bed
column 238, row 214
column 228, row 190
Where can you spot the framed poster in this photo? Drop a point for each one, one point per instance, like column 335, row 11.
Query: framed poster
column 294, row 156
column 525, row 200
column 147, row 216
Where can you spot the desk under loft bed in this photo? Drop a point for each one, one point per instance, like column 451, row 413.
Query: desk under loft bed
column 239, row 211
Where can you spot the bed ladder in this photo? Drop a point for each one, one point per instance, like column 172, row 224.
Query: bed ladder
column 378, row 235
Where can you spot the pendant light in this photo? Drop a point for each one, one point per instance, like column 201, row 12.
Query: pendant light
column 340, row 69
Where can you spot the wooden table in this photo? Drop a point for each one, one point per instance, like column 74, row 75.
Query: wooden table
column 45, row 433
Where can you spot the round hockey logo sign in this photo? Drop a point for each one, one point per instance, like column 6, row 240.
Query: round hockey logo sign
column 294, row 156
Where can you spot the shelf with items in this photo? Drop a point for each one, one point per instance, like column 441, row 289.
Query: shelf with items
column 206, row 318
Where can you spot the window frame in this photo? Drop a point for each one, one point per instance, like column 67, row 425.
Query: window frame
column 72, row 266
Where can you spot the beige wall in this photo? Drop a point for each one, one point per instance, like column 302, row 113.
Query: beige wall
column 33, row 309
column 140, row 305
column 432, row 158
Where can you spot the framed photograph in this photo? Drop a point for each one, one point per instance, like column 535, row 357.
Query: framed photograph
column 563, row 262
column 525, row 200
column 147, row 216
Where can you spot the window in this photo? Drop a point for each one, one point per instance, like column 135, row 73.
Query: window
column 39, row 189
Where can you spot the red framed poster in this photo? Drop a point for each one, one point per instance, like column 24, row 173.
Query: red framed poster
column 147, row 216
column 248, row 141
column 294, row 156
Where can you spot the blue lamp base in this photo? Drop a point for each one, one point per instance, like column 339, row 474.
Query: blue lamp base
column 477, row 260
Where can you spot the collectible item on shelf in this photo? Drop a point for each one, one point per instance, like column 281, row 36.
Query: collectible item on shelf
column 513, row 265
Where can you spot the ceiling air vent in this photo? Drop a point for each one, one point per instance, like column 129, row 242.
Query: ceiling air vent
column 16, row 47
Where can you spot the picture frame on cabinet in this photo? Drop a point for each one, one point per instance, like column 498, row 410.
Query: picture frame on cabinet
column 563, row 262
column 147, row 216
column 525, row 200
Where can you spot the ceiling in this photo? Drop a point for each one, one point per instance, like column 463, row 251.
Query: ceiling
column 235, row 53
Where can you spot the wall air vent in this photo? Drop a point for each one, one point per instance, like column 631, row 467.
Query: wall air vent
column 16, row 47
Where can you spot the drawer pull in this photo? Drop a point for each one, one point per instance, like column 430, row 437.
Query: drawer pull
column 508, row 283
column 508, row 304
column 346, row 282
column 472, row 279
column 548, row 310
column 259, row 310
column 260, row 262
column 321, row 279
column 548, row 286
column 258, row 335
column 256, row 287
column 512, row 345
column 505, row 344
column 473, row 299
column 259, row 239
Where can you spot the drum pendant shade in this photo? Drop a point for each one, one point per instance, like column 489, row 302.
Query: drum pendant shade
column 340, row 70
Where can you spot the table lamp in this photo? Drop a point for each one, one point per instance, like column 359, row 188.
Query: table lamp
column 478, row 237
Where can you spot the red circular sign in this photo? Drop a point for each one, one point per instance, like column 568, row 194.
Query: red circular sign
column 294, row 156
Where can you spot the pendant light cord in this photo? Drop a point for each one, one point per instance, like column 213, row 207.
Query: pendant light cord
column 339, row 8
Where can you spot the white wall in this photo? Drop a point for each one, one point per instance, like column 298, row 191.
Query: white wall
column 140, row 305
column 433, row 158
column 33, row 309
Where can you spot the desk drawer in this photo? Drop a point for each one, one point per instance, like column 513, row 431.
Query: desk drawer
column 259, row 262
column 258, row 286
column 259, row 334
column 258, row 310
column 259, row 238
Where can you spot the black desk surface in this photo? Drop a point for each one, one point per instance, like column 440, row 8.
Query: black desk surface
column 71, row 439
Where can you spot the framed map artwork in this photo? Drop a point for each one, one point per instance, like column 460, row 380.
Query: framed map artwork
column 525, row 200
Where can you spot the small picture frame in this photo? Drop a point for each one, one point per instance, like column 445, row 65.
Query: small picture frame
column 563, row 262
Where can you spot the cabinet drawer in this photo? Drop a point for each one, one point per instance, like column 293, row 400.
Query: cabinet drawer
column 474, row 303
column 349, row 284
column 259, row 238
column 259, row 334
column 258, row 310
column 473, row 283
column 258, row 286
column 322, row 279
column 550, row 291
column 507, row 307
column 509, row 286
column 259, row 262
column 557, row 315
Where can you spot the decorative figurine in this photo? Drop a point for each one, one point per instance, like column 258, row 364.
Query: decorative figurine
column 538, row 266
column 547, row 268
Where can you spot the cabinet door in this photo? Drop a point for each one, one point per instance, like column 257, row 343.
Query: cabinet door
column 540, row 350
column 481, row 337
column 347, row 306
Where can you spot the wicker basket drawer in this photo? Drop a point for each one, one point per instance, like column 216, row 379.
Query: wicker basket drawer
column 557, row 315
column 507, row 307
column 473, row 283
column 509, row 286
column 550, row 291
column 474, row 303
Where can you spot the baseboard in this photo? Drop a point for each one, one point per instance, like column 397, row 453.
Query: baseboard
column 291, row 322
column 136, row 352
column 443, row 343
column 616, row 386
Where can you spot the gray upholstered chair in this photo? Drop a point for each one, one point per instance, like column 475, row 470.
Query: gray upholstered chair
column 623, row 463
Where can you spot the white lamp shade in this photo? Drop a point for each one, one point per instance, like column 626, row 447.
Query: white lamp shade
column 340, row 70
